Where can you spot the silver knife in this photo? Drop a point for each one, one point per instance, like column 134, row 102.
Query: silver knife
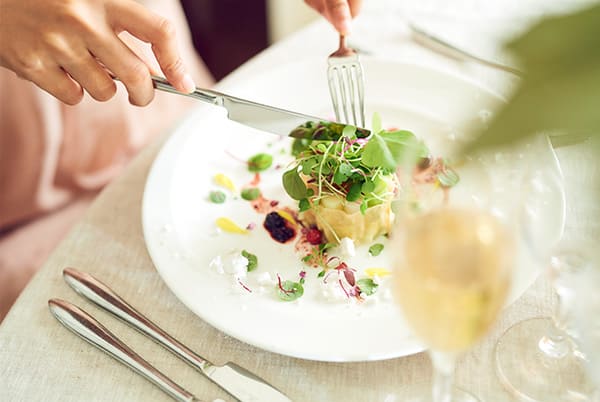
column 267, row 118
column 84, row 325
column 437, row 44
column 237, row 381
column 274, row 120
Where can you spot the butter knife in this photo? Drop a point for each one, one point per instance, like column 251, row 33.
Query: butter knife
column 84, row 325
column 237, row 381
column 284, row 123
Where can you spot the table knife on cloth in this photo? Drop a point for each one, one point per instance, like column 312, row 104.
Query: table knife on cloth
column 237, row 381
column 87, row 327
column 284, row 123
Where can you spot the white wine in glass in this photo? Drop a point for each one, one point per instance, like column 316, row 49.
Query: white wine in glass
column 452, row 276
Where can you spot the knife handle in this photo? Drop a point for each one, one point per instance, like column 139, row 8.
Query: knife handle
column 84, row 325
column 100, row 294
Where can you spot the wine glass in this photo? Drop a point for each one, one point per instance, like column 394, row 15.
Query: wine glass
column 453, row 266
column 549, row 362
column 545, row 362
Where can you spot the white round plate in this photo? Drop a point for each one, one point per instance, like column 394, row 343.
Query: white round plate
column 182, row 239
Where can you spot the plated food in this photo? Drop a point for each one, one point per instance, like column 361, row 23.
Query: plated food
column 345, row 193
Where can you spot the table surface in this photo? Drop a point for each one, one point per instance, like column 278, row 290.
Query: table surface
column 40, row 360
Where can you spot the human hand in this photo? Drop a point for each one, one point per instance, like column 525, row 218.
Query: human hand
column 66, row 46
column 338, row 12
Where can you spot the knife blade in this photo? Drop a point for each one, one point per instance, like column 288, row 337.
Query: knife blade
column 237, row 381
column 284, row 123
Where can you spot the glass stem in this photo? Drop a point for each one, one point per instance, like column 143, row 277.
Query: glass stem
column 443, row 375
column 554, row 343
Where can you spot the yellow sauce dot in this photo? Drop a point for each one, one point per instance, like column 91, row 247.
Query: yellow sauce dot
column 224, row 181
column 229, row 226
column 380, row 272
column 287, row 217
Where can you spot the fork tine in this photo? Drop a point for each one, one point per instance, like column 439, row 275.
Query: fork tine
column 346, row 85
column 349, row 83
column 333, row 92
column 361, row 93
column 343, row 92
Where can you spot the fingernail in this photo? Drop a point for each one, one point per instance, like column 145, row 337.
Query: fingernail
column 188, row 83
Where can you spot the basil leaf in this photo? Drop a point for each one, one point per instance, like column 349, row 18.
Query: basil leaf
column 367, row 286
column 218, row 197
column 252, row 260
column 250, row 194
column 389, row 149
column 260, row 162
column 290, row 291
column 303, row 205
column 294, row 185
column 376, row 249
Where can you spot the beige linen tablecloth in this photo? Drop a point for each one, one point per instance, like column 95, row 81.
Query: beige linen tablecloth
column 41, row 361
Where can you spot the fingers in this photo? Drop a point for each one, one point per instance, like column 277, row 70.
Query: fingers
column 125, row 64
column 338, row 12
column 158, row 31
column 58, row 83
column 355, row 7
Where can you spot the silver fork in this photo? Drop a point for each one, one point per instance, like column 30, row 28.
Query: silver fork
column 346, row 85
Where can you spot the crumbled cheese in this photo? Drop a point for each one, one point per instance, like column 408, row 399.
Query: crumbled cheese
column 347, row 248
column 265, row 279
column 217, row 264
column 232, row 263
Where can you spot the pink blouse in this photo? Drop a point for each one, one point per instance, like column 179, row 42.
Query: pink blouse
column 54, row 157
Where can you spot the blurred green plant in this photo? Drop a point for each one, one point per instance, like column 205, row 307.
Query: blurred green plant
column 561, row 89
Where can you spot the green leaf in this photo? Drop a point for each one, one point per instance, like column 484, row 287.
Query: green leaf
column 367, row 286
column 367, row 187
column 250, row 194
column 349, row 132
column 252, row 260
column 321, row 274
column 218, row 197
column 389, row 149
column 363, row 207
column 260, row 162
column 376, row 123
column 294, row 185
column 376, row 249
column 299, row 146
column 354, row 192
column 290, row 291
column 303, row 205
column 561, row 88
column 308, row 165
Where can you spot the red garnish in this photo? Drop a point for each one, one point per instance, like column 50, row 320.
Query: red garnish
column 244, row 286
column 281, row 286
column 314, row 236
column 256, row 180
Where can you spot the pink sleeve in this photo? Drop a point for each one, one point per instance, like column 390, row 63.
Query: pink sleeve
column 51, row 153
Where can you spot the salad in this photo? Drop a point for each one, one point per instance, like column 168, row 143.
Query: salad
column 345, row 192
column 346, row 188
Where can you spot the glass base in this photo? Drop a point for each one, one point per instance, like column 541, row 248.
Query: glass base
column 530, row 374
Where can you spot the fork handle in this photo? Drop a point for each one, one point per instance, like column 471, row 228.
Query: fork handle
column 100, row 294
column 84, row 325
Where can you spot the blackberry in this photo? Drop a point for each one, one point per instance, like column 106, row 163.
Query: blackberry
column 278, row 228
